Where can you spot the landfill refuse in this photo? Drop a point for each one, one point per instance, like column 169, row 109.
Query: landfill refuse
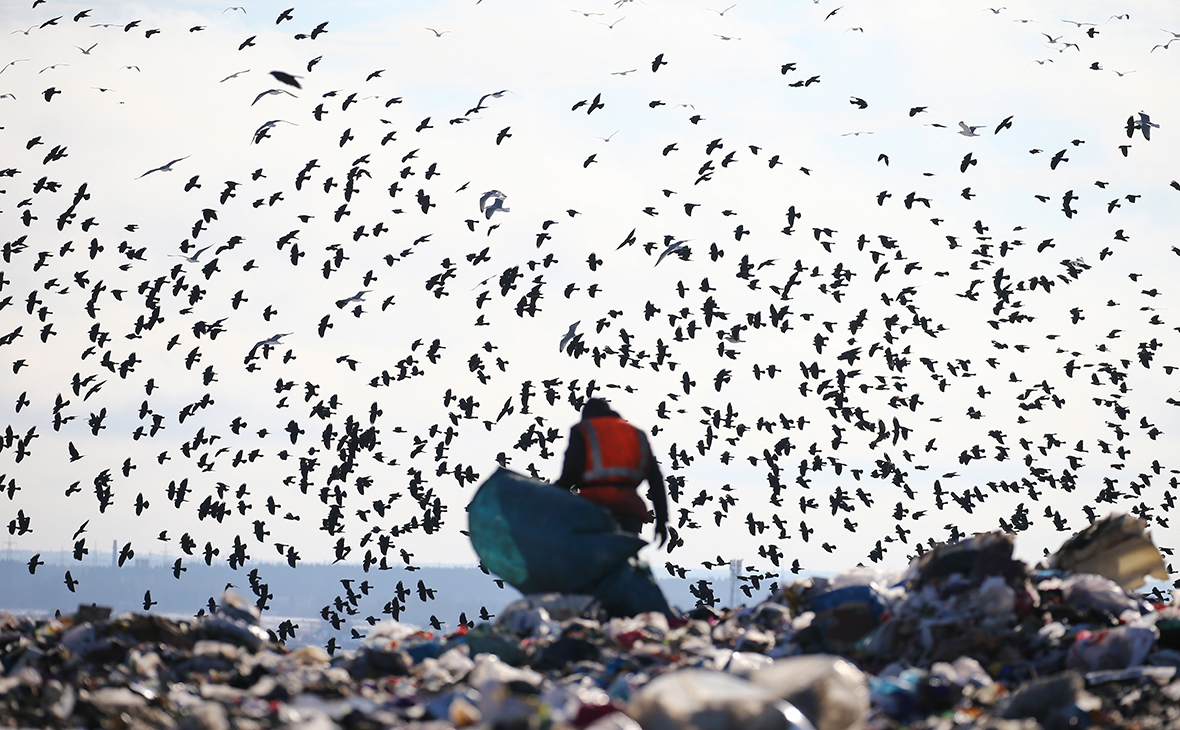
column 966, row 638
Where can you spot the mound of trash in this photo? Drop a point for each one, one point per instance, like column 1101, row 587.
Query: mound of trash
column 967, row 637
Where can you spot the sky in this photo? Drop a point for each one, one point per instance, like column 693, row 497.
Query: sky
column 995, row 353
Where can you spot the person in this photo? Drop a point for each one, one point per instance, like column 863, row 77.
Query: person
column 606, row 460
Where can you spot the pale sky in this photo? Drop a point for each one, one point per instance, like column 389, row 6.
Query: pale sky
column 918, row 68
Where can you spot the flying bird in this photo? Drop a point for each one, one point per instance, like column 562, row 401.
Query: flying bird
column 497, row 203
column 967, row 130
column 285, row 78
column 565, row 339
column 271, row 92
column 675, row 247
column 165, row 167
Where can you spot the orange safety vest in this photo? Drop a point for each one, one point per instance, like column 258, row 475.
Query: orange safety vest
column 617, row 459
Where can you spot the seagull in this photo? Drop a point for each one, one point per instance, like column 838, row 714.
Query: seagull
column 269, row 342
column 723, row 12
column 271, row 91
column 498, row 94
column 496, row 205
column 258, row 133
column 678, row 245
column 568, row 336
column 968, row 131
column 233, row 76
column 191, row 259
column 12, row 63
column 438, row 33
column 86, row 51
column 164, row 168
column 358, row 297
column 1145, row 124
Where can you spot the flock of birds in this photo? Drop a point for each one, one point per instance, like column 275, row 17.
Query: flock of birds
column 850, row 436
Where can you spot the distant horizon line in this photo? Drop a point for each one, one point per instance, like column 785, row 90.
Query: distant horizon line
column 91, row 563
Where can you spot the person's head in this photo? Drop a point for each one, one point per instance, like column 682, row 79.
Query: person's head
column 597, row 408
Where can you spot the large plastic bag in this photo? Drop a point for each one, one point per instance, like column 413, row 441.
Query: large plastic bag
column 542, row 539
column 1118, row 547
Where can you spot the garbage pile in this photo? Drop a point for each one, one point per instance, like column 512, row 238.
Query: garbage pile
column 968, row 637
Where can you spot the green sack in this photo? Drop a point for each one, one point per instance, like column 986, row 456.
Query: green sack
column 631, row 589
column 542, row 539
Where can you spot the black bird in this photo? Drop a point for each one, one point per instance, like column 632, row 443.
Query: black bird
column 126, row 554
column 287, row 78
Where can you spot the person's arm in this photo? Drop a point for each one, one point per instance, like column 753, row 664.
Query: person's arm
column 656, row 494
column 575, row 461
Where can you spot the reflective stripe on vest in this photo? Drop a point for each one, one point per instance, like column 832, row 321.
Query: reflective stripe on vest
column 626, row 452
